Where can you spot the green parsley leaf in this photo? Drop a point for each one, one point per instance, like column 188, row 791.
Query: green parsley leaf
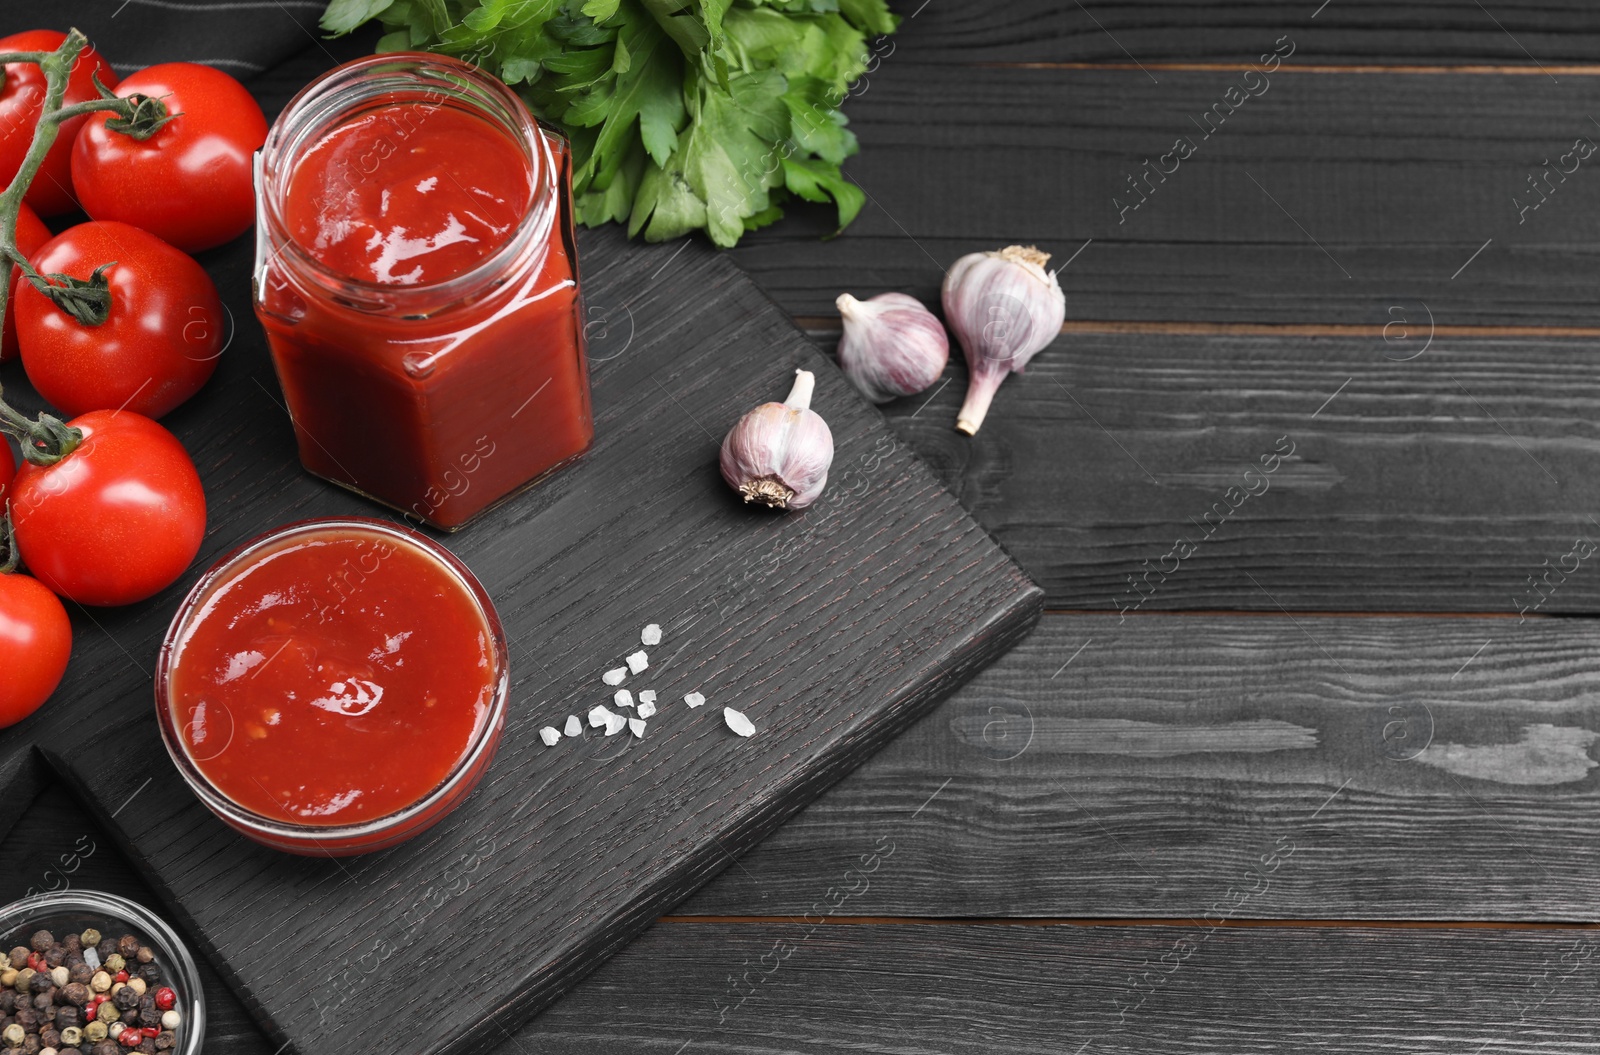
column 819, row 181
column 872, row 16
column 342, row 16
column 682, row 114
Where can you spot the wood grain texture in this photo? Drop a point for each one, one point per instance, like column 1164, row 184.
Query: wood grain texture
column 22, row 777
column 1260, row 767
column 1330, row 198
column 971, row 989
column 248, row 42
column 832, row 630
column 1152, row 32
column 792, row 985
column 1457, row 480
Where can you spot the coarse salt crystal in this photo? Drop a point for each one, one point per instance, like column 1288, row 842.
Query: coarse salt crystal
column 615, row 724
column 737, row 722
column 623, row 698
column 614, row 676
column 548, row 734
column 636, row 726
column 638, row 661
column 651, row 635
column 574, row 727
column 694, row 699
column 646, row 707
column 598, row 716
column 92, row 958
column 647, row 696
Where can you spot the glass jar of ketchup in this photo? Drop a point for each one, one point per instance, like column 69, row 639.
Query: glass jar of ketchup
column 417, row 280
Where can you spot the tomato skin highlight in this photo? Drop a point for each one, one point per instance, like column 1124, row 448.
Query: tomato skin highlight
column 190, row 183
column 117, row 520
column 32, row 234
column 157, row 348
column 21, row 99
column 35, row 644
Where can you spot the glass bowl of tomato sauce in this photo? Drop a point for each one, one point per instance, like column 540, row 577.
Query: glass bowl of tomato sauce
column 334, row 687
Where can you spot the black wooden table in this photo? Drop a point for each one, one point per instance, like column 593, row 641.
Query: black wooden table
column 1327, row 783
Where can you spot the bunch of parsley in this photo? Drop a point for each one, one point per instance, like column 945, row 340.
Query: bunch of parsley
column 683, row 114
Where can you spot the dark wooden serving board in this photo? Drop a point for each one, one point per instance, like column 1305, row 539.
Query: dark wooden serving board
column 832, row 629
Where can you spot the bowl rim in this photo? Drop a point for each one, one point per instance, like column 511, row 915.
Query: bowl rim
column 485, row 738
column 40, row 908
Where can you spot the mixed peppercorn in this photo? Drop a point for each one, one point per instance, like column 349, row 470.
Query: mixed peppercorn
column 85, row 995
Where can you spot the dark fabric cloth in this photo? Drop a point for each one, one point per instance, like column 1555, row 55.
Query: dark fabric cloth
column 243, row 37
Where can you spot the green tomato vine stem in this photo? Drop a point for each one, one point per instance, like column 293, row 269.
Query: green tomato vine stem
column 88, row 301
column 8, row 536
column 46, row 439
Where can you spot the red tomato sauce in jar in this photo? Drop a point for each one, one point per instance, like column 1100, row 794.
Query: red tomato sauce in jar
column 417, row 281
column 333, row 676
column 451, row 193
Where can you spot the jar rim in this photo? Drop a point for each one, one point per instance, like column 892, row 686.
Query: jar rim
column 318, row 106
column 483, row 742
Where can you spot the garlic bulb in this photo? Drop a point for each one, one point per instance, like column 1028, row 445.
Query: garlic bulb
column 1004, row 307
column 892, row 345
column 779, row 453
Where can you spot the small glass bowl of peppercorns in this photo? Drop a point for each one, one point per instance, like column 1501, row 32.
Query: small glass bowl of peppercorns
column 89, row 973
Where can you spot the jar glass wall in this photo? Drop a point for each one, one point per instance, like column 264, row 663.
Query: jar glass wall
column 417, row 279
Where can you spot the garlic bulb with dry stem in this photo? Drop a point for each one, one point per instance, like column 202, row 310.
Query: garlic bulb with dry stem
column 778, row 454
column 1004, row 307
column 891, row 346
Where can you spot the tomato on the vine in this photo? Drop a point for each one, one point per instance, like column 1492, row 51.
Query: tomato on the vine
column 32, row 234
column 35, row 643
column 190, row 182
column 21, row 99
column 8, row 469
column 116, row 520
column 159, row 343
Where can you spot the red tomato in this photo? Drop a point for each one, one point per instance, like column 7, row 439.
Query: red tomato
column 189, row 183
column 115, row 521
column 32, row 234
column 22, row 97
column 35, row 643
column 8, row 469
column 159, row 344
